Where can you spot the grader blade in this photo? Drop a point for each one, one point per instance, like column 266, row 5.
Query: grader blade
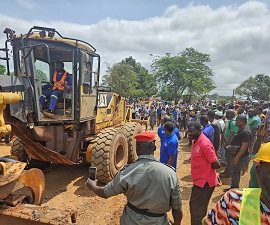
column 34, row 179
column 25, row 214
column 10, row 172
column 14, row 177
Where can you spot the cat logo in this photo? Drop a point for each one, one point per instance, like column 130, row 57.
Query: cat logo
column 102, row 100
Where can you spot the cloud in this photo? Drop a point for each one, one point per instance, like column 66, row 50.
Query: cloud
column 235, row 37
column 27, row 4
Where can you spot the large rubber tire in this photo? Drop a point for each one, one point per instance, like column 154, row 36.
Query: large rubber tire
column 18, row 150
column 110, row 153
column 130, row 129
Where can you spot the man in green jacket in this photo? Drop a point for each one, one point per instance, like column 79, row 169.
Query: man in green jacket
column 151, row 188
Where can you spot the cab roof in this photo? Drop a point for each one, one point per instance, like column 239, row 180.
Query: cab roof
column 74, row 42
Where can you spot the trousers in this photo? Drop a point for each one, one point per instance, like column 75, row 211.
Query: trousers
column 257, row 144
column 54, row 95
column 198, row 203
column 236, row 169
column 229, row 159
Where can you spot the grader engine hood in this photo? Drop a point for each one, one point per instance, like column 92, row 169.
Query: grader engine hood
column 111, row 110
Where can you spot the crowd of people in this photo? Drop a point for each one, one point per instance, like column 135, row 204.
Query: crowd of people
column 228, row 135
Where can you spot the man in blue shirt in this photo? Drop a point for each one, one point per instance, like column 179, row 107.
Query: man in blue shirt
column 175, row 115
column 60, row 81
column 162, row 135
column 207, row 129
column 169, row 148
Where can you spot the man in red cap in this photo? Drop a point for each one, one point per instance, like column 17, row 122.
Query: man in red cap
column 145, row 137
column 151, row 188
column 236, row 106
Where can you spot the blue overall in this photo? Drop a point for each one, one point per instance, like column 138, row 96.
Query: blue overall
column 54, row 95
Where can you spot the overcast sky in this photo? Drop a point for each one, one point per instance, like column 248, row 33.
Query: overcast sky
column 236, row 34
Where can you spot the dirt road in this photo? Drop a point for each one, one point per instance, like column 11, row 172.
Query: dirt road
column 65, row 187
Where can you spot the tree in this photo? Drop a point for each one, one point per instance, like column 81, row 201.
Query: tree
column 2, row 70
column 146, row 83
column 263, row 88
column 257, row 87
column 42, row 75
column 122, row 79
column 130, row 79
column 185, row 73
column 214, row 96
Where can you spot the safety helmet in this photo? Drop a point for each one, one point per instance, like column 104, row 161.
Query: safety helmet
column 264, row 153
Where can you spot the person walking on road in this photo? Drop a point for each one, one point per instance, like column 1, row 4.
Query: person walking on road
column 253, row 125
column 153, row 116
column 159, row 109
column 163, row 147
column 261, row 130
column 229, row 132
column 207, row 129
column 241, row 157
column 204, row 177
column 217, row 129
column 169, row 148
column 151, row 188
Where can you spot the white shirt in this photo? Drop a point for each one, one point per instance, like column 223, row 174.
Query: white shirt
column 222, row 124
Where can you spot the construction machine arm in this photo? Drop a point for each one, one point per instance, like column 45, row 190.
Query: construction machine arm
column 6, row 98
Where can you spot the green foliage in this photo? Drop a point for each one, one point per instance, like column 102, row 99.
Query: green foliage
column 214, row 96
column 146, row 83
column 130, row 79
column 122, row 79
column 2, row 70
column 257, row 87
column 185, row 73
column 225, row 99
column 42, row 75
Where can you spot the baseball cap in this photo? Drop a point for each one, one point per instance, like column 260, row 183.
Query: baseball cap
column 219, row 113
column 236, row 106
column 145, row 136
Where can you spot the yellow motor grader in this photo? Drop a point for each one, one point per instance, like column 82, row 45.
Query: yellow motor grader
column 22, row 191
column 90, row 123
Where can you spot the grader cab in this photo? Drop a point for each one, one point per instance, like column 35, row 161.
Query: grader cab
column 90, row 123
